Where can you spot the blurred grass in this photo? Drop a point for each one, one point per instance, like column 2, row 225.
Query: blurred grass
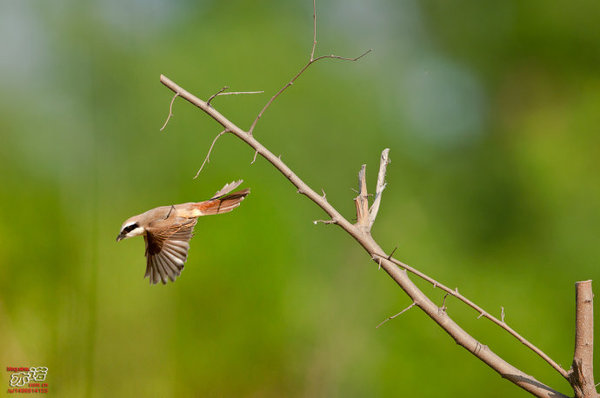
column 505, row 205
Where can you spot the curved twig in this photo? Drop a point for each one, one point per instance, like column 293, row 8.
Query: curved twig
column 207, row 158
column 170, row 112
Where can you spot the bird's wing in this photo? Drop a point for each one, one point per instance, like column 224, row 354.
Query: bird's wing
column 167, row 245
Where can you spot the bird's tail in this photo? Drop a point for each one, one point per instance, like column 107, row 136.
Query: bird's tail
column 222, row 204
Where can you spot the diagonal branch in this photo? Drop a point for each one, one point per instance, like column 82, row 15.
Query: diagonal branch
column 506, row 370
column 361, row 233
column 482, row 312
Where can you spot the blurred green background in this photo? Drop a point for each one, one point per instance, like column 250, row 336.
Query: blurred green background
column 491, row 111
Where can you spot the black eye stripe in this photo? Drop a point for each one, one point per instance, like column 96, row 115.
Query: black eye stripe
column 130, row 228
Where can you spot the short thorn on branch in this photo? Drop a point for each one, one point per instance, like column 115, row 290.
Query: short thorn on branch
column 170, row 112
column 392, row 253
column 207, row 158
column 398, row 314
column 502, row 315
column 443, row 308
column 254, row 158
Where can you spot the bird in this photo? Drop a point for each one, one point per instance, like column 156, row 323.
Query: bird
column 167, row 230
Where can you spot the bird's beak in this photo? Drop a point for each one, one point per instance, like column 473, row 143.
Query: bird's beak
column 120, row 237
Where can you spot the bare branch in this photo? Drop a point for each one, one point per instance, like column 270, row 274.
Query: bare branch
column 170, row 112
column 360, row 232
column 515, row 375
column 502, row 324
column 398, row 314
column 385, row 160
column 207, row 158
column 581, row 374
column 291, row 82
column 508, row 371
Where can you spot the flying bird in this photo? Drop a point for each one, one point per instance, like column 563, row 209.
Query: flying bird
column 168, row 229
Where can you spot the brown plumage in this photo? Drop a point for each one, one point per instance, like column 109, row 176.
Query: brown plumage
column 167, row 230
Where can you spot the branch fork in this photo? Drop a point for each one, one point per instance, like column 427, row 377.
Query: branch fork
column 365, row 216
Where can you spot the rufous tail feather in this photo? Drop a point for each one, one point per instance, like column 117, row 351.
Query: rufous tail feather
column 223, row 204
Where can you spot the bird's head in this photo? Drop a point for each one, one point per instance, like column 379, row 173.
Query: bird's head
column 130, row 228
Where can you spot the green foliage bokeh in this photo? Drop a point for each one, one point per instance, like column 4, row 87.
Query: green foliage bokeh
column 491, row 112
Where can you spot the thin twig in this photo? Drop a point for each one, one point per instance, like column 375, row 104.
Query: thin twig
column 398, row 314
column 314, row 46
column 242, row 92
column 254, row 158
column 215, row 94
column 207, row 158
column 291, row 82
column 311, row 61
column 170, row 112
column 222, row 92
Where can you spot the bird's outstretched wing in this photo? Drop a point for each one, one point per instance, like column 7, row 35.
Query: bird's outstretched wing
column 167, row 246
